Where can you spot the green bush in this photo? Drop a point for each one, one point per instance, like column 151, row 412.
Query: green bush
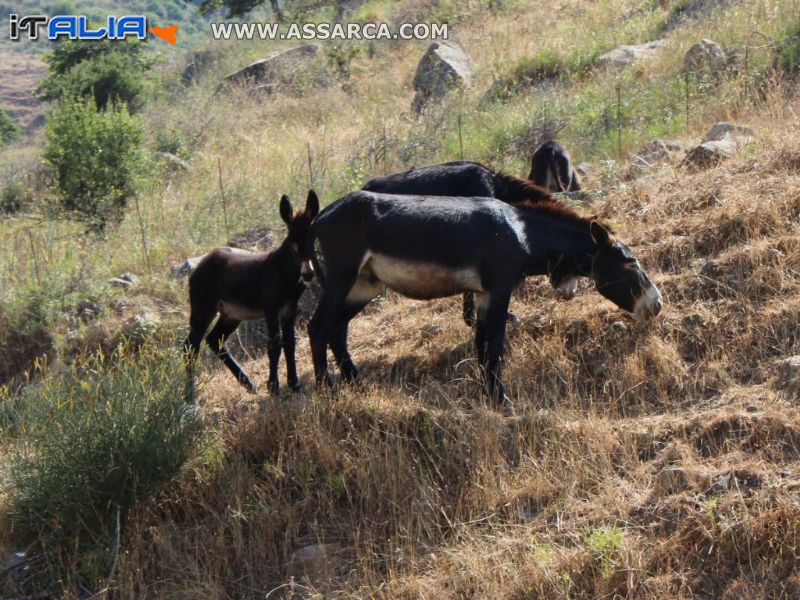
column 12, row 199
column 97, row 159
column 109, row 71
column 9, row 130
column 789, row 50
column 92, row 444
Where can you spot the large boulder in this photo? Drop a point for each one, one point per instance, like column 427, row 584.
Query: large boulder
column 722, row 141
column 444, row 67
column 276, row 68
column 705, row 57
column 621, row 57
column 741, row 134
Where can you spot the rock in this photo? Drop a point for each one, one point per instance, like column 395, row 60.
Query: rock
column 707, row 155
column 623, row 56
column 706, row 56
column 655, row 153
column 126, row 280
column 734, row 481
column 720, row 132
column 584, row 169
column 444, row 67
column 183, row 269
column 174, row 161
column 619, row 327
column 88, row 310
column 722, row 141
column 140, row 327
column 789, row 374
column 275, row 68
column 671, row 481
column 314, row 560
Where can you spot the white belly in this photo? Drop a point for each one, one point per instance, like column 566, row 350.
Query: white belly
column 240, row 313
column 422, row 280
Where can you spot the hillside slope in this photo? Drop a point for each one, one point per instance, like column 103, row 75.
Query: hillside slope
column 648, row 460
column 657, row 460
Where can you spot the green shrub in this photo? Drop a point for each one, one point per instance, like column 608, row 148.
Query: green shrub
column 12, row 199
column 109, row 71
column 97, row 159
column 789, row 50
column 9, row 130
column 91, row 444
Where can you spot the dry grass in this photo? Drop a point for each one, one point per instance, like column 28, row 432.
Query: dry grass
column 419, row 489
column 423, row 492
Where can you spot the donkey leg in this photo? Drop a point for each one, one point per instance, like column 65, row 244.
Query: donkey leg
column 325, row 324
column 288, row 315
column 320, row 329
column 468, row 310
column 216, row 340
column 273, row 350
column 364, row 290
column 480, row 329
column 339, row 347
column 495, row 333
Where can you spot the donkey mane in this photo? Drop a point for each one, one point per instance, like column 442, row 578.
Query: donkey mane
column 513, row 189
column 558, row 209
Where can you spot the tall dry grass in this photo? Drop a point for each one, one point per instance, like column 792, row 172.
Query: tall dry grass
column 415, row 486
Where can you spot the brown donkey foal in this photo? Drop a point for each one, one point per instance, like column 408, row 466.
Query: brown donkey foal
column 243, row 287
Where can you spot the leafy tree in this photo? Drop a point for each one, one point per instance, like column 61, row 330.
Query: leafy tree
column 9, row 130
column 110, row 70
column 97, row 159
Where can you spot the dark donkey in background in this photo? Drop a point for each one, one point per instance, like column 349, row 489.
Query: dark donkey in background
column 425, row 247
column 243, row 287
column 551, row 168
column 466, row 179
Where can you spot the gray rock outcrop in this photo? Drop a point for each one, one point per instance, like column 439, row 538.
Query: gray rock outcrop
column 444, row 67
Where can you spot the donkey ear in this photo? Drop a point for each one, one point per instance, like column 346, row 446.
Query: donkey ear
column 312, row 204
column 600, row 234
column 286, row 209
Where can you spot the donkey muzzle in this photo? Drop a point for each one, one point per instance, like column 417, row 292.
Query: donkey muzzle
column 567, row 288
column 649, row 304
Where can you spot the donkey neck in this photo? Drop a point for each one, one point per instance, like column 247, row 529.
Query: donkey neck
column 513, row 190
column 285, row 258
column 559, row 243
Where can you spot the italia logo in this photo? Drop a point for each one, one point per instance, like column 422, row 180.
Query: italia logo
column 77, row 27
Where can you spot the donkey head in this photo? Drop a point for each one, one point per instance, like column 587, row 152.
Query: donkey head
column 619, row 276
column 299, row 224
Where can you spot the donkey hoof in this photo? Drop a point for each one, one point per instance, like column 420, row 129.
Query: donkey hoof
column 295, row 386
column 506, row 407
column 273, row 388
